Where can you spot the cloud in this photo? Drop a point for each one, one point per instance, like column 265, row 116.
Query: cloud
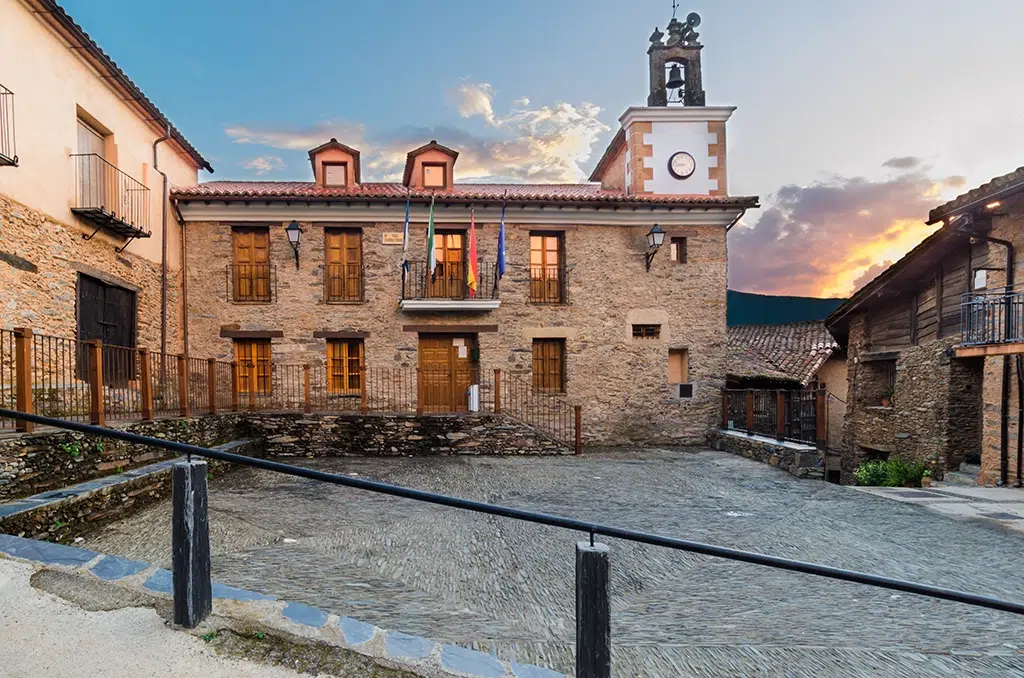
column 539, row 144
column 955, row 181
column 831, row 237
column 903, row 162
column 263, row 164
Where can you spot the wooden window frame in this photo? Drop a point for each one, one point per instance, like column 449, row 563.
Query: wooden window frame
column 679, row 243
column 684, row 365
column 544, row 297
column 646, row 331
column 236, row 285
column 444, row 174
column 335, row 163
column 542, row 377
column 444, row 285
column 245, row 352
column 341, row 378
column 344, row 298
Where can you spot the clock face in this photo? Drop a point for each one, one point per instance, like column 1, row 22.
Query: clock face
column 681, row 165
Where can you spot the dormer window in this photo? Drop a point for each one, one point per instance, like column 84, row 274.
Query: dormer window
column 335, row 174
column 435, row 175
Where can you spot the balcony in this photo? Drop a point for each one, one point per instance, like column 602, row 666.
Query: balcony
column 251, row 283
column 108, row 198
column 8, row 149
column 548, row 285
column 992, row 322
column 445, row 288
column 343, row 283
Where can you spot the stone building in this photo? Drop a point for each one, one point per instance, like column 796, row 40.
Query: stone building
column 586, row 306
column 933, row 343
column 87, row 246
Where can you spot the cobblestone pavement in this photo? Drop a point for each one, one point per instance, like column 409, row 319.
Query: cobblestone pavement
column 507, row 586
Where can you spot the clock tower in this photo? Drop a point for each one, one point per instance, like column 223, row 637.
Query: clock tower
column 676, row 144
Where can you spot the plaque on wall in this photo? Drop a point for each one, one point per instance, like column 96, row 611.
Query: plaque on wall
column 391, row 238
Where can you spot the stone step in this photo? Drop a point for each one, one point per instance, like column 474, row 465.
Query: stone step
column 961, row 478
column 973, row 469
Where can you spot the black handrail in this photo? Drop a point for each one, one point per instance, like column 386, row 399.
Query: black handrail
column 539, row 518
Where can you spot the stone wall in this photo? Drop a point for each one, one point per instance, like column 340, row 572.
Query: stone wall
column 621, row 382
column 36, row 462
column 802, row 461
column 331, row 435
column 40, row 260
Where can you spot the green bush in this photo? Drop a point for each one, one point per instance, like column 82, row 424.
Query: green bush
column 871, row 473
column 890, row 473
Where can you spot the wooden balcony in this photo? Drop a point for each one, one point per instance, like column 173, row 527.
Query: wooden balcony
column 992, row 323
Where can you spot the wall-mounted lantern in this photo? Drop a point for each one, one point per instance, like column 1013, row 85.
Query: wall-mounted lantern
column 655, row 238
column 294, row 234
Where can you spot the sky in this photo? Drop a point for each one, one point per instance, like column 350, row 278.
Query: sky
column 853, row 120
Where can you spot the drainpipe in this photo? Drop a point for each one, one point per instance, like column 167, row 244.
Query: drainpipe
column 736, row 220
column 163, row 243
column 1020, row 418
column 184, row 279
column 1004, row 406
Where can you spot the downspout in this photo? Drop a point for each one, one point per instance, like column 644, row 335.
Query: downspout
column 736, row 220
column 163, row 243
column 184, row 279
column 1020, row 418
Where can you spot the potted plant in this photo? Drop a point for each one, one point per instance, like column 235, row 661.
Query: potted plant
column 926, row 478
column 887, row 396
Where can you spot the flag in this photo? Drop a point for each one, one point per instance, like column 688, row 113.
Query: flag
column 405, row 238
column 502, row 252
column 431, row 252
column 472, row 273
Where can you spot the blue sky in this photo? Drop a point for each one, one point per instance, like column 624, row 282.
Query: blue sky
column 828, row 92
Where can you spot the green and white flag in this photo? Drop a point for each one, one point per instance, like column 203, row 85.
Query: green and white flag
column 431, row 252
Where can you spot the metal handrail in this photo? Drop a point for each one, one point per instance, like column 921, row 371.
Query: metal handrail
column 105, row 188
column 541, row 518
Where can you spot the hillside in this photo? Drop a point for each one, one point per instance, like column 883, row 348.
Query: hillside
column 746, row 308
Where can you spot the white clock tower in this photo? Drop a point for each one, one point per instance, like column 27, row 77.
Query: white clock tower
column 675, row 145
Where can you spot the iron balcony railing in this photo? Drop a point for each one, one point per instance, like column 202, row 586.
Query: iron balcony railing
column 992, row 317
column 8, row 149
column 343, row 282
column 548, row 285
column 446, row 281
column 109, row 198
column 785, row 415
column 251, row 283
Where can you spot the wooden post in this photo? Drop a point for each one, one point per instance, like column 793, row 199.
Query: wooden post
column 308, row 405
column 593, row 611
column 23, row 376
column 780, row 415
column 211, row 383
column 145, row 384
column 750, row 412
column 251, row 366
column 94, row 351
column 578, row 417
column 497, row 390
column 190, row 544
column 234, row 385
column 820, row 417
column 362, row 389
column 725, row 409
column 419, row 392
column 183, row 385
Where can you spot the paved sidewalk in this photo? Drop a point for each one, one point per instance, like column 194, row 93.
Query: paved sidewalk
column 997, row 505
column 43, row 635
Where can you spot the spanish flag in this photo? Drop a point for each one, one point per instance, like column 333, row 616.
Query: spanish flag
column 472, row 274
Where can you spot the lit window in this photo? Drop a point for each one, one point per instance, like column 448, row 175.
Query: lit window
column 646, row 331
column 336, row 174
column 434, row 175
column 344, row 358
column 253, row 356
column 678, row 250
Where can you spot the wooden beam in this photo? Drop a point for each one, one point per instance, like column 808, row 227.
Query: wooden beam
column 94, row 349
column 23, row 376
column 145, row 384
column 1013, row 348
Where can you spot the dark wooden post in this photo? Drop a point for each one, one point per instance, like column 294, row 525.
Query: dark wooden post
column 251, row 367
column 750, row 412
column 94, row 351
column 234, row 385
column 725, row 409
column 578, row 416
column 307, row 404
column 780, row 415
column 593, row 611
column 419, row 392
column 497, row 390
column 23, row 376
column 183, row 385
column 211, row 379
column 145, row 384
column 362, row 389
column 820, row 417
column 190, row 544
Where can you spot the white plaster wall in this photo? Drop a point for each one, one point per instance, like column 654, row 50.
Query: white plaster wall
column 669, row 137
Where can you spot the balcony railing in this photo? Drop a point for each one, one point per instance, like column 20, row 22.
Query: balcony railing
column 446, row 282
column 8, row 149
column 251, row 283
column 992, row 317
column 343, row 283
column 548, row 285
column 798, row 415
column 109, row 198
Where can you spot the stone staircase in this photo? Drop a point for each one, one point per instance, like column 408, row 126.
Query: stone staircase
column 966, row 475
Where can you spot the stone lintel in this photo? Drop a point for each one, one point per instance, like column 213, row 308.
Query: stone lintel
column 449, row 329
column 328, row 334
column 228, row 333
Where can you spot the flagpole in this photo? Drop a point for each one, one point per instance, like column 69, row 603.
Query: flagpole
column 502, row 249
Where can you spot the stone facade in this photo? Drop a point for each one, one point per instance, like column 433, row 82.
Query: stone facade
column 621, row 383
column 41, row 260
column 802, row 461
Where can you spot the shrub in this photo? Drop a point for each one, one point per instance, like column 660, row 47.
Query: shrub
column 890, row 473
column 871, row 473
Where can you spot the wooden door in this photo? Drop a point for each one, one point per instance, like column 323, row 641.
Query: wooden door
column 447, row 369
column 90, row 168
column 343, row 257
column 252, row 264
column 546, row 269
column 108, row 313
column 449, row 279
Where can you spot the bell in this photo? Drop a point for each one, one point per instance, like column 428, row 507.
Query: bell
column 675, row 77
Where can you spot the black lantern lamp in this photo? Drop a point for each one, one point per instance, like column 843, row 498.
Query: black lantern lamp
column 294, row 234
column 655, row 239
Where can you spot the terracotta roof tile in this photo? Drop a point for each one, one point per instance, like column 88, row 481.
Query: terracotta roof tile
column 283, row 190
column 983, row 192
column 793, row 351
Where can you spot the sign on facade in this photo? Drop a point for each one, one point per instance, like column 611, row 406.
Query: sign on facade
column 392, row 238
